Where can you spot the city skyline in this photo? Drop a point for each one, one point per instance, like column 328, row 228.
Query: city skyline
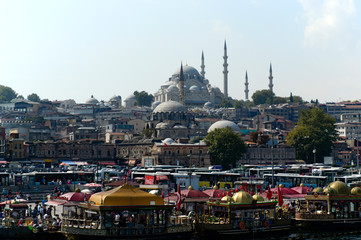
column 66, row 49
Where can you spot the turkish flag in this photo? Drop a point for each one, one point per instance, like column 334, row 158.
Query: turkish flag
column 269, row 193
column 179, row 198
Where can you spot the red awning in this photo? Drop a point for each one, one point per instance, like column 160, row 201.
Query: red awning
column 161, row 177
column 4, row 162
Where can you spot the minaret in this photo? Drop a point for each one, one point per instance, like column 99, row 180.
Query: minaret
column 225, row 72
column 181, row 85
column 246, row 91
column 270, row 85
column 203, row 73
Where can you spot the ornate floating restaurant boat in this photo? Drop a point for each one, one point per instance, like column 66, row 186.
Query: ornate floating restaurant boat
column 123, row 212
column 333, row 207
column 242, row 214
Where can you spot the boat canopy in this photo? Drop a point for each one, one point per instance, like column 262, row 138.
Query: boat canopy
column 125, row 195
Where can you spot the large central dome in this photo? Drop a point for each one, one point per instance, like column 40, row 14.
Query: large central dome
column 170, row 106
column 188, row 70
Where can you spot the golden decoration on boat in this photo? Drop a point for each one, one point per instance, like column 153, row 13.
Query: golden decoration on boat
column 215, row 187
column 281, row 185
column 227, row 199
column 302, row 185
column 258, row 198
column 318, row 190
column 190, row 187
column 356, row 191
column 242, row 197
column 340, row 187
column 330, row 191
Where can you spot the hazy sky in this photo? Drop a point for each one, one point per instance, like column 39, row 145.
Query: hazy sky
column 73, row 49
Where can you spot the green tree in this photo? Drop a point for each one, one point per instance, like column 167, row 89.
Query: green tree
column 33, row 97
column 263, row 96
column 239, row 104
column 143, row 98
column 225, row 147
column 226, row 103
column 279, row 100
column 315, row 130
column 7, row 94
column 35, row 119
column 147, row 133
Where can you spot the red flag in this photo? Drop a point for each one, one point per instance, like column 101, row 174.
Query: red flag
column 165, row 145
column 280, row 199
column 269, row 193
column 179, row 198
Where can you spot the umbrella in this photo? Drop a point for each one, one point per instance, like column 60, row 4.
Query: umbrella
column 76, row 196
column 93, row 185
column 214, row 192
column 193, row 194
column 87, row 191
column 12, row 201
column 302, row 190
column 284, row 191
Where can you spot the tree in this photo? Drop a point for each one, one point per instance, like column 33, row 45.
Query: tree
column 143, row 98
column 279, row 100
column 263, row 96
column 7, row 94
column 34, row 97
column 315, row 131
column 225, row 147
column 147, row 133
column 226, row 103
column 238, row 104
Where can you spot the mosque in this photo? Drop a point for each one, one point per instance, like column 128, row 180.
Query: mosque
column 191, row 88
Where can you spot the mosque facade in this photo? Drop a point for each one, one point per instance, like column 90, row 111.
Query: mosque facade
column 196, row 89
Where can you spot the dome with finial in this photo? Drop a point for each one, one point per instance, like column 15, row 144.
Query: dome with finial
column 318, row 190
column 169, row 107
column 281, row 185
column 215, row 187
column 302, row 185
column 258, row 198
column 356, row 191
column 224, row 124
column 77, row 190
column 92, row 101
column 242, row 197
column 330, row 191
column 227, row 198
column 340, row 187
column 190, row 187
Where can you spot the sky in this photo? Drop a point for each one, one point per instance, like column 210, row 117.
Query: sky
column 66, row 49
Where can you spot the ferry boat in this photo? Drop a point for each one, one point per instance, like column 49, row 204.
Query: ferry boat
column 335, row 207
column 124, row 212
column 242, row 214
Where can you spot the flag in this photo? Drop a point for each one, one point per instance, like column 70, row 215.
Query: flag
column 280, row 199
column 179, row 198
column 269, row 193
column 165, row 145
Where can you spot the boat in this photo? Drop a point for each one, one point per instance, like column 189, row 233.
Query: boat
column 124, row 212
column 335, row 207
column 242, row 214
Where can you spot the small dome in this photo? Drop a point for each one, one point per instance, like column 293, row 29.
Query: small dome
column 330, row 191
column 170, row 106
column 130, row 97
column 179, row 126
column 190, row 187
column 155, row 104
column 162, row 125
column 208, row 105
column 356, row 191
column 115, row 98
column 242, row 197
column 215, row 187
column 302, row 185
column 258, row 198
column 224, row 124
column 318, row 190
column 281, row 185
column 168, row 141
column 172, row 88
column 227, row 199
column 194, row 88
column 92, row 101
column 340, row 187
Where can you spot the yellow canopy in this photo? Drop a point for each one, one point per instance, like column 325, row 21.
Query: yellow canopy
column 125, row 195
